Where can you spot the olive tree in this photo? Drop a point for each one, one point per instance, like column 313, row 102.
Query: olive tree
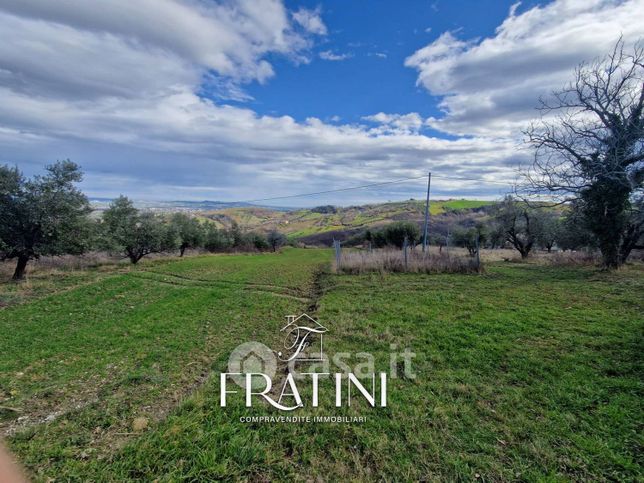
column 217, row 239
column 44, row 215
column 590, row 149
column 549, row 228
column 470, row 238
column 275, row 239
column 135, row 233
column 189, row 231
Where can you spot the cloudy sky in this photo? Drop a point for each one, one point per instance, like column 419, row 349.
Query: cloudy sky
column 246, row 99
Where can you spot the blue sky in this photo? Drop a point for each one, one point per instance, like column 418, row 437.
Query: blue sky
column 366, row 82
column 244, row 99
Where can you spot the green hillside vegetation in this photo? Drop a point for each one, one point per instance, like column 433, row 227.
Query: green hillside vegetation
column 307, row 222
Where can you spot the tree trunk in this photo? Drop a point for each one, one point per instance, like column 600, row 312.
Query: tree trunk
column 19, row 273
column 629, row 242
column 182, row 250
column 610, row 255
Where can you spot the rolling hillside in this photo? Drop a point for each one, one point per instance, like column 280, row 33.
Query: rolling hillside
column 318, row 224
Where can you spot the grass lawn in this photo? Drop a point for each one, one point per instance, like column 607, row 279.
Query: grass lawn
column 527, row 372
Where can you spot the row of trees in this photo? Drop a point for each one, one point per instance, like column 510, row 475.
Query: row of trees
column 139, row 233
column 48, row 215
column 519, row 225
column 513, row 224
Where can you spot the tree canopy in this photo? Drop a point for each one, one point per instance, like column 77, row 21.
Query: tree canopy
column 136, row 233
column 44, row 215
column 590, row 150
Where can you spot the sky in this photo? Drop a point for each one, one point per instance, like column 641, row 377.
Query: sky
column 237, row 100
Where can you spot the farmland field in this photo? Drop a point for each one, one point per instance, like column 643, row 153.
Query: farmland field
column 307, row 222
column 525, row 372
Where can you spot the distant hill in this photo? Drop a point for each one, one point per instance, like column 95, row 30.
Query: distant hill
column 321, row 224
column 100, row 204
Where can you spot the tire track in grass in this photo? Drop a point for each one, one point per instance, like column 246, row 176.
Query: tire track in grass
column 316, row 293
column 277, row 290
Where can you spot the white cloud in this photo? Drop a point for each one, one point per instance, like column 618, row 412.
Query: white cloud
column 397, row 123
column 181, row 146
column 130, row 48
column 330, row 55
column 119, row 90
column 491, row 86
column 310, row 20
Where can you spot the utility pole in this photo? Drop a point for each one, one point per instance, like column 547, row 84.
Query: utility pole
column 429, row 181
column 338, row 253
column 478, row 256
column 405, row 245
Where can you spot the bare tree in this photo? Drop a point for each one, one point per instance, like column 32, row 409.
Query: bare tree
column 589, row 148
column 517, row 224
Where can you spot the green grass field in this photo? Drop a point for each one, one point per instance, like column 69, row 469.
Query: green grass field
column 526, row 372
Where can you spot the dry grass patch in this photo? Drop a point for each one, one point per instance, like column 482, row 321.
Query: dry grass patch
column 394, row 261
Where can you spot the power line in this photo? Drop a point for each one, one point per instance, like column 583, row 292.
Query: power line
column 480, row 180
column 402, row 180
column 372, row 185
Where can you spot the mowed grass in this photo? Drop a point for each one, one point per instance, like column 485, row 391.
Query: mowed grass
column 527, row 372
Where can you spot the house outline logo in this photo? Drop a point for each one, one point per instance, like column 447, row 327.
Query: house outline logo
column 301, row 332
column 251, row 357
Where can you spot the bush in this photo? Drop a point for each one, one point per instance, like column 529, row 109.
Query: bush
column 257, row 241
column 326, row 209
column 395, row 233
column 467, row 238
